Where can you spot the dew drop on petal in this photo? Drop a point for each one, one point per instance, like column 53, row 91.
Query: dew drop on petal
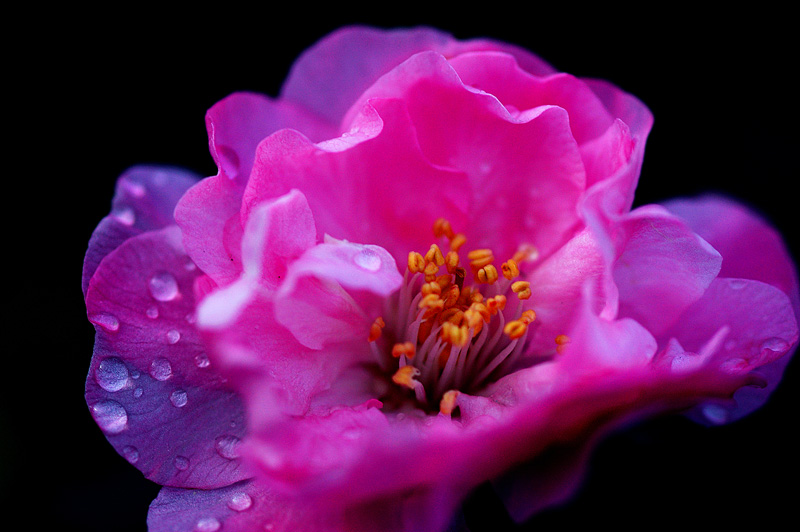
column 715, row 414
column 160, row 369
column 173, row 336
column 179, row 398
column 110, row 416
column 368, row 259
column 775, row 345
column 108, row 322
column 189, row 265
column 124, row 216
column 209, row 524
column 163, row 286
column 240, row 502
column 227, row 446
column 137, row 393
column 152, row 312
column 202, row 361
column 111, row 374
column 130, row 453
column 181, row 463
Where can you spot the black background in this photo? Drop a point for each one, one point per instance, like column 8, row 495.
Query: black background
column 94, row 93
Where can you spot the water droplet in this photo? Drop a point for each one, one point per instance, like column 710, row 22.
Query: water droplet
column 135, row 374
column 160, row 369
column 130, row 453
column 737, row 284
column 106, row 321
column 227, row 446
column 240, row 502
column 152, row 312
column 111, row 374
column 202, row 360
column 137, row 393
column 776, row 345
column 173, row 336
column 368, row 259
column 163, row 286
column 110, row 416
column 189, row 265
column 124, row 216
column 181, row 463
column 715, row 414
column 191, row 318
column 209, row 524
column 179, row 398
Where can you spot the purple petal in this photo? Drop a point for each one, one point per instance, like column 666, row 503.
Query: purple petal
column 150, row 385
column 144, row 199
column 333, row 73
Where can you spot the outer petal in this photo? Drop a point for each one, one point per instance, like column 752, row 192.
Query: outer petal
column 144, row 199
column 242, row 507
column 331, row 75
column 150, row 386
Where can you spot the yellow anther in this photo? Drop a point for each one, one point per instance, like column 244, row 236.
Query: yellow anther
column 481, row 309
column 478, row 258
column 405, row 376
column 416, row 262
column 473, row 320
column 561, row 342
column 487, row 274
column 443, row 280
column 455, row 334
column 515, row 329
column 496, row 303
column 522, row 289
column 510, row 269
column 442, row 227
column 457, row 241
column 449, row 402
column 434, row 255
column 432, row 302
column 450, row 296
column 528, row 316
column 431, row 268
column 475, row 296
column 525, row 252
column 376, row 328
column 406, row 348
column 453, row 315
column 431, row 288
column 451, row 261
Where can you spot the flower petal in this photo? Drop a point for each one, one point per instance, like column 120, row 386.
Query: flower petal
column 144, row 200
column 331, row 75
column 242, row 507
column 150, row 386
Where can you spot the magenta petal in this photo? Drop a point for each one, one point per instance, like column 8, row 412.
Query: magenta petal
column 150, row 385
column 750, row 247
column 332, row 74
column 242, row 507
column 144, row 199
column 651, row 241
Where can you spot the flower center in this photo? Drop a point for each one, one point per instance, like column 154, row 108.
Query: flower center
column 440, row 335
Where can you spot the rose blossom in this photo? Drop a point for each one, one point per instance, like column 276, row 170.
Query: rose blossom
column 416, row 271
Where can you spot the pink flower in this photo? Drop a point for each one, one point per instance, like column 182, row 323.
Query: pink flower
column 416, row 271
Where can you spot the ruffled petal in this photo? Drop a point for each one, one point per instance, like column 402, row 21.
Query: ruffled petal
column 331, row 75
column 151, row 388
column 144, row 199
column 523, row 167
column 367, row 170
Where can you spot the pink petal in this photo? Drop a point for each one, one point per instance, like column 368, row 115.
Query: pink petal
column 366, row 170
column 651, row 242
column 144, row 199
column 150, row 386
column 523, row 167
column 332, row 74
